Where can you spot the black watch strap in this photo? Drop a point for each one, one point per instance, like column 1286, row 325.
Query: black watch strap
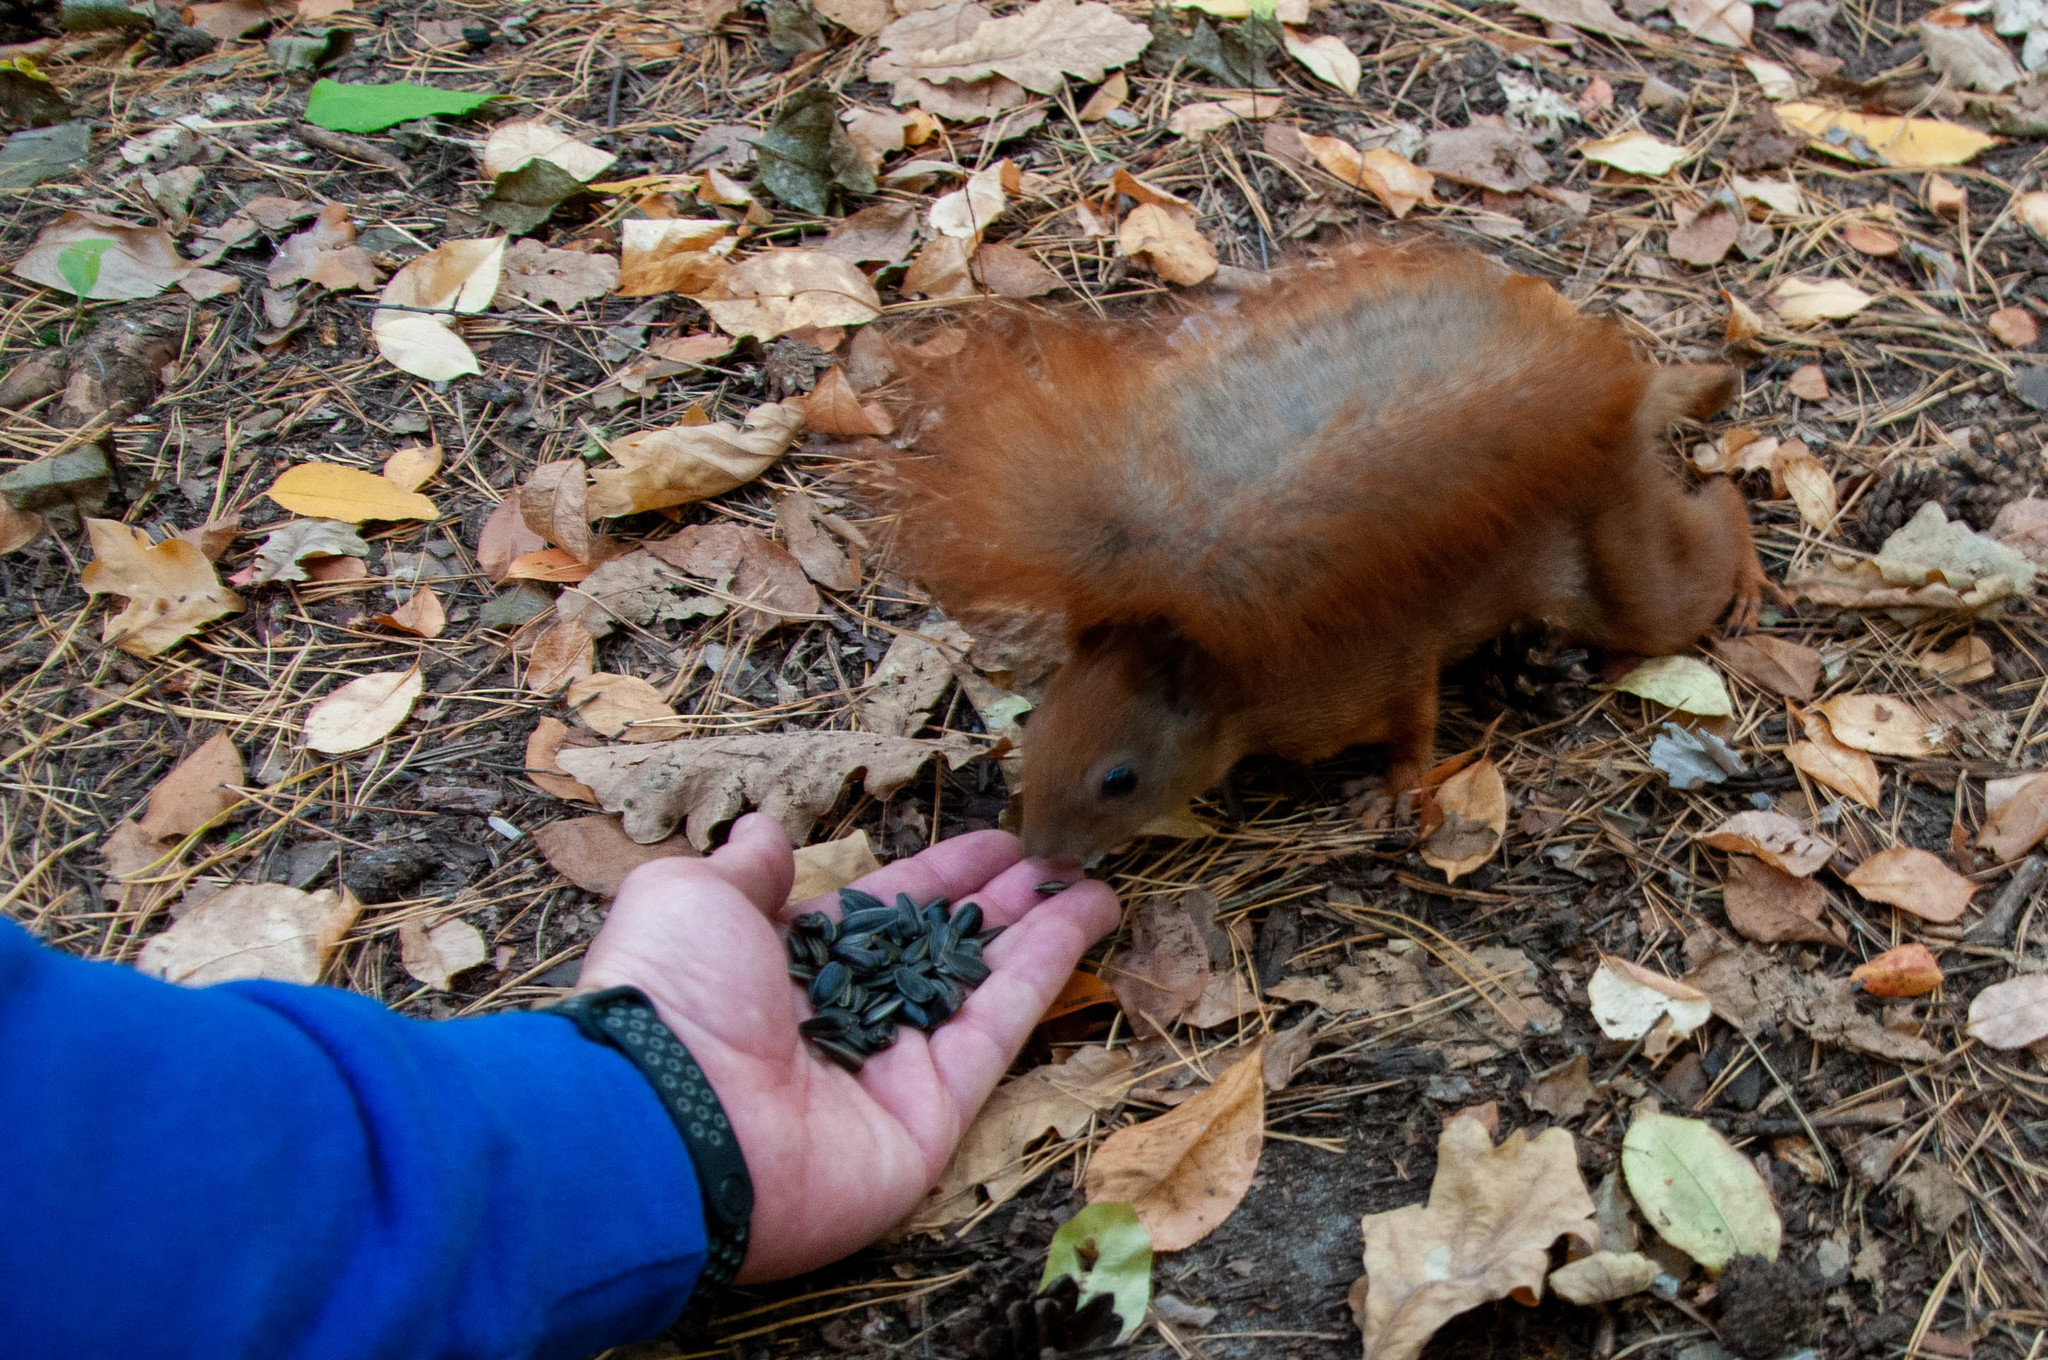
column 624, row 1018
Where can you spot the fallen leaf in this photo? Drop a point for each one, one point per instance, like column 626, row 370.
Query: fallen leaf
column 415, row 327
column 1933, row 547
column 1685, row 683
column 1878, row 723
column 1474, row 802
column 1915, row 881
column 1777, row 82
column 505, row 537
column 1184, row 1172
column 746, row 566
column 413, row 467
column 372, row 108
column 1910, row 143
column 1104, row 1249
column 2011, row 1014
column 252, row 930
column 1595, row 16
column 1908, row 971
column 561, row 655
column 705, row 782
column 100, row 258
column 1486, row 1233
column 1326, row 57
column 636, row 589
column 563, row 278
column 1944, row 197
column 1727, row 22
column 1398, row 183
column 350, row 495
column 1165, row 241
column 1781, row 196
column 171, row 589
column 785, row 290
column 683, row 463
column 422, row 615
column 325, row 254
column 511, row 145
column 1787, row 669
column 968, row 211
column 594, row 852
column 670, row 255
column 1869, row 240
column 1690, row 759
column 2014, row 327
column 1808, row 483
column 197, row 793
column 1038, row 47
column 912, row 675
column 1966, row 662
column 881, row 233
column 1706, row 237
column 833, row 407
column 285, row 551
column 1750, row 989
column 1700, row 1194
column 1604, row 1277
column 1164, row 972
column 541, row 746
column 806, row 153
column 831, row 865
column 1774, row 838
column 1770, row 906
column 362, row 712
column 1564, row 1091
column 1485, row 156
column 549, row 564
column 434, row 955
column 1808, row 383
column 1938, row 1200
column 230, row 19
column 1062, row 1099
column 2015, row 815
column 1629, row 1000
column 1842, row 768
column 1804, row 302
column 942, row 269
column 1637, row 153
column 2033, row 211
column 823, row 557
column 1967, row 54
column 555, row 503
column 18, row 528
column 617, row 704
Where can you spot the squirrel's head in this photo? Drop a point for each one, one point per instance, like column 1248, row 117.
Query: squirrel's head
column 1131, row 729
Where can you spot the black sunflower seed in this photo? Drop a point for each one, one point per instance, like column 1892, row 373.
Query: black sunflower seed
column 802, row 972
column 964, row 968
column 882, row 1011
column 832, row 981
column 967, row 919
column 847, row 1057
column 866, row 921
column 914, row 986
column 916, row 1015
column 853, row 899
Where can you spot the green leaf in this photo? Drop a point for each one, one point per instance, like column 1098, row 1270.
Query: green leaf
column 79, row 263
column 1681, row 682
column 1699, row 1193
column 807, row 151
column 1105, row 1250
column 372, row 108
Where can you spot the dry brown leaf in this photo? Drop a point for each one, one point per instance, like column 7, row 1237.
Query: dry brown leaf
column 785, row 290
column 1803, row 302
column 1059, row 1098
column 1743, row 323
column 1870, row 240
column 1485, row 155
column 2014, row 327
column 1727, row 22
column 549, row 564
column 831, row 865
column 130, row 857
column 2015, row 815
column 1564, row 1091
column 833, row 407
column 1808, row 383
column 561, row 655
column 1195, row 121
column 1012, row 273
column 912, row 675
column 1879, row 723
column 171, row 589
column 595, row 853
column 504, row 538
column 1635, row 153
column 1808, row 483
column 230, row 19
column 19, row 528
column 1775, row 838
column 325, row 254
column 1378, row 981
column 1776, row 665
column 1166, row 969
column 1965, row 662
column 1750, row 988
column 434, row 955
column 362, row 712
column 1844, row 769
column 252, row 930
column 1704, row 239
column 1165, row 241
column 968, row 211
column 1944, row 197
column 197, row 793
column 422, row 615
column 1915, row 881
column 457, row 277
column 1485, row 1234
column 139, row 262
column 1910, row 970
column 546, row 739
column 942, row 269
column 555, row 503
column 617, row 704
column 511, row 145
column 670, row 255
column 1186, row 1170
column 1037, row 48
column 535, row 273
column 705, row 782
column 1771, row 906
column 1398, row 183
column 881, row 233
column 2011, row 1014
column 683, row 463
column 747, row 566
column 823, row 557
column 1474, row 802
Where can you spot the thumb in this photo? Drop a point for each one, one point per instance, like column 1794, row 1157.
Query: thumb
column 757, row 860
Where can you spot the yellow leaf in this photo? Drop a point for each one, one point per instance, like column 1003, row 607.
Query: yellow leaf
column 410, row 469
column 362, row 712
column 330, row 491
column 1805, row 301
column 831, row 865
column 1908, row 142
column 170, row 587
column 1326, row 57
column 1636, row 152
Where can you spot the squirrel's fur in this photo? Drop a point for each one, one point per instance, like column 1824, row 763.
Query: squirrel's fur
column 1267, row 519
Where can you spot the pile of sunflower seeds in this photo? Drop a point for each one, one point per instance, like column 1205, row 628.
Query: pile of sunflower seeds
column 879, row 966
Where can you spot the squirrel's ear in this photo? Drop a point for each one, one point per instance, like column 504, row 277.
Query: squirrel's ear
column 1680, row 390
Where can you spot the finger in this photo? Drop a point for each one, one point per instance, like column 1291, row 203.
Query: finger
column 1031, row 962
column 755, row 859
column 952, row 869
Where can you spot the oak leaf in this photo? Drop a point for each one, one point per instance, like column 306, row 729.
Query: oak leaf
column 1038, row 47
column 171, row 589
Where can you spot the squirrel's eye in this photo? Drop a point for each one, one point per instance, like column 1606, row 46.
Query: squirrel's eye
column 1120, row 782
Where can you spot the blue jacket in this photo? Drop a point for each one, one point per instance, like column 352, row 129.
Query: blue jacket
column 263, row 1170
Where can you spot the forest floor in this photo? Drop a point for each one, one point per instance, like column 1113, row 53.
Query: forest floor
column 1906, row 1157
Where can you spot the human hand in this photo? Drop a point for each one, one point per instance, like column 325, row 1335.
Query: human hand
column 836, row 1159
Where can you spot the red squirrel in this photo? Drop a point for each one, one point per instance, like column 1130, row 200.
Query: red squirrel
column 1269, row 518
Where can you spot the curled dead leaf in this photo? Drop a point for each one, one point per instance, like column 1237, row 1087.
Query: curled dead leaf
column 1185, row 1171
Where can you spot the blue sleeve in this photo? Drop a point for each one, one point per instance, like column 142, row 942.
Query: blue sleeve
column 263, row 1170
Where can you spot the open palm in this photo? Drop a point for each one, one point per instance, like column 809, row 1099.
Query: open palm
column 836, row 1159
